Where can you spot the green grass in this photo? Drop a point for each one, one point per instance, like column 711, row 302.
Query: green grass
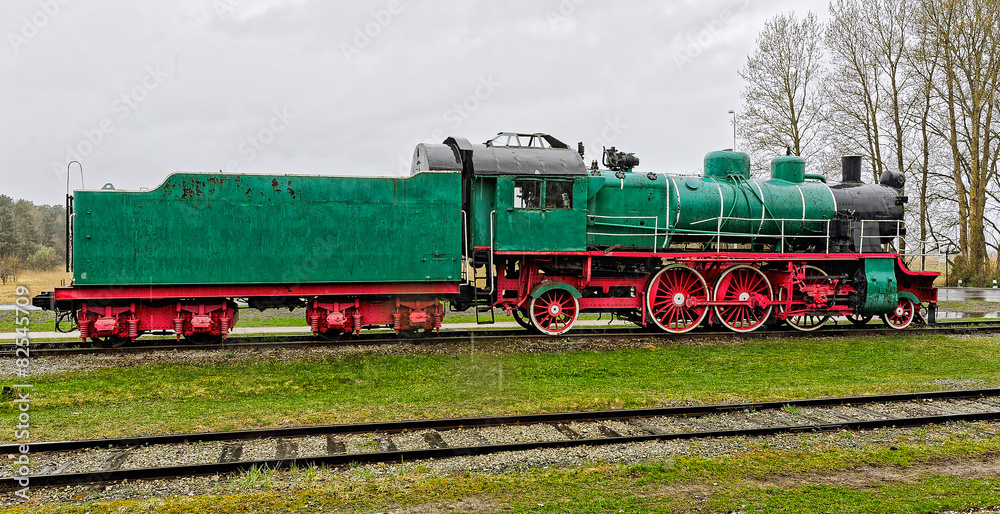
column 272, row 322
column 157, row 398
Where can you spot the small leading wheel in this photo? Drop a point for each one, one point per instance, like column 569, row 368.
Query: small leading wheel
column 807, row 322
column 859, row 320
column 902, row 315
column 673, row 297
column 554, row 311
column 520, row 315
column 749, row 286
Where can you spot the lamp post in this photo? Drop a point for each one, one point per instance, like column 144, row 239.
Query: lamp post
column 734, row 128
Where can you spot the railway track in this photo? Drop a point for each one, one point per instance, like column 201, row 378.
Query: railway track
column 111, row 460
column 72, row 347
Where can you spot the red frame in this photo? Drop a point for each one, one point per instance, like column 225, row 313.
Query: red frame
column 112, row 311
column 514, row 293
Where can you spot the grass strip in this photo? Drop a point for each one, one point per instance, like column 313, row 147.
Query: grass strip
column 161, row 398
column 761, row 480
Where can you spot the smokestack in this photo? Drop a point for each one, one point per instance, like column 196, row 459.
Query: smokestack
column 850, row 166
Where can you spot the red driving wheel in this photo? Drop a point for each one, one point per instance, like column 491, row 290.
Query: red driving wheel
column 675, row 298
column 748, row 286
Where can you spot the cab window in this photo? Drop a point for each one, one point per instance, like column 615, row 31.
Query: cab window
column 527, row 194
column 558, row 194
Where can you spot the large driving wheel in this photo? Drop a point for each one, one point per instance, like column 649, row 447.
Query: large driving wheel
column 859, row 320
column 675, row 298
column 902, row 315
column 521, row 317
column 554, row 311
column 807, row 322
column 749, row 286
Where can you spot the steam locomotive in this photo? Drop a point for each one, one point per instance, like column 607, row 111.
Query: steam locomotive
column 519, row 223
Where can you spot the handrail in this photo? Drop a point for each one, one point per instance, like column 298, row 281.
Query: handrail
column 778, row 221
column 492, row 271
column 465, row 248
column 655, row 228
column 70, row 215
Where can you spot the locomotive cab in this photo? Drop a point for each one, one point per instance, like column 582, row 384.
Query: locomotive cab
column 520, row 192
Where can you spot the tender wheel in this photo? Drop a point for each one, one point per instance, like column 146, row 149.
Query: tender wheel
column 902, row 315
column 110, row 341
column 859, row 320
column 743, row 284
column 330, row 335
column 674, row 298
column 203, row 339
column 554, row 311
column 807, row 322
column 521, row 317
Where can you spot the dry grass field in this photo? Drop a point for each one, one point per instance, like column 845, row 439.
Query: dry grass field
column 35, row 281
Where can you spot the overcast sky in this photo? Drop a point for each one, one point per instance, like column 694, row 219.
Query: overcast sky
column 139, row 89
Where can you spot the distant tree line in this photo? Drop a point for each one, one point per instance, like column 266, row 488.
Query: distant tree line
column 31, row 237
column 911, row 85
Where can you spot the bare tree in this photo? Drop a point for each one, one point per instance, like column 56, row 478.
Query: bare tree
column 967, row 43
column 782, row 106
column 922, row 59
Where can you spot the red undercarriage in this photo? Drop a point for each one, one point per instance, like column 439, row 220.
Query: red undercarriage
column 742, row 289
column 208, row 313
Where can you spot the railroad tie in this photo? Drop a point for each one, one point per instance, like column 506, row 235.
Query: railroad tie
column 693, row 425
column 286, row 449
column 385, row 444
column 231, row 452
column 839, row 416
column 757, row 420
column 333, row 446
column 114, row 461
column 945, row 410
column 870, row 412
column 479, row 439
column 645, row 427
column 567, row 431
column 987, row 402
column 435, row 440
column 607, row 432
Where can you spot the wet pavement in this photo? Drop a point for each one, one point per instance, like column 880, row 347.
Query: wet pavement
column 959, row 294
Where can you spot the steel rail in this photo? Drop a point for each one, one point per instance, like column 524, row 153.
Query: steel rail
column 308, row 341
column 8, row 483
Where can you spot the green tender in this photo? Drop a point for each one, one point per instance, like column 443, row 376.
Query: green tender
column 271, row 229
